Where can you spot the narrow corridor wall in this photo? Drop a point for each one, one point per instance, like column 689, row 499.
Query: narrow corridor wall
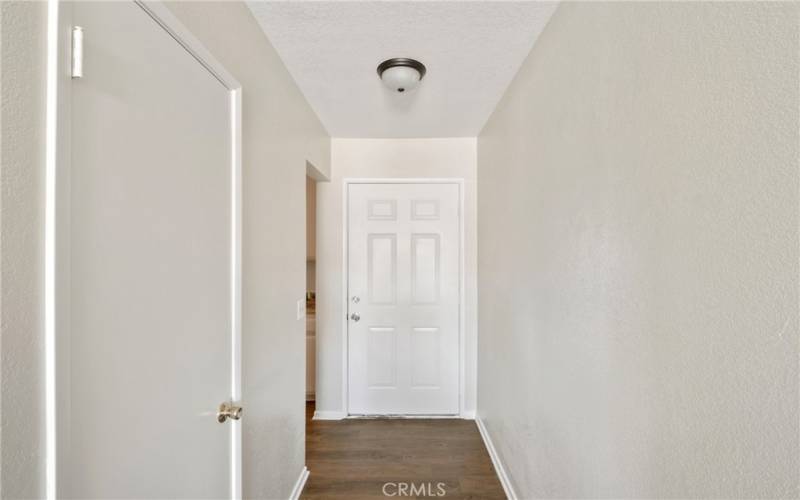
column 23, row 33
column 638, row 255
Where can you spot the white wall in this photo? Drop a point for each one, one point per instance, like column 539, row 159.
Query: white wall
column 22, row 84
column 383, row 158
column 638, row 255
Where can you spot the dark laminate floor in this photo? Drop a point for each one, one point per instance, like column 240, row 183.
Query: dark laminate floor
column 353, row 459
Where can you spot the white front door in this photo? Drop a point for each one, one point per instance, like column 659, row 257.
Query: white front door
column 403, row 298
column 151, row 249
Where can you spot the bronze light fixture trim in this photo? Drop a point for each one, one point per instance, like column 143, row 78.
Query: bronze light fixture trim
column 401, row 73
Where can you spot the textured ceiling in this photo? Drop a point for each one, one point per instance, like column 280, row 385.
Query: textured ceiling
column 472, row 51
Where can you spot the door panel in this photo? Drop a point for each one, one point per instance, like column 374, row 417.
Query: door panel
column 150, row 241
column 382, row 268
column 403, row 283
column 425, row 358
column 382, row 357
column 425, row 269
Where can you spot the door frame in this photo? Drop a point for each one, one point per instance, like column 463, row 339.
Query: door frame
column 346, row 183
column 57, row 223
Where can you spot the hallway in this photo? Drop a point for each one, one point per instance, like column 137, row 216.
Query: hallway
column 356, row 459
column 510, row 249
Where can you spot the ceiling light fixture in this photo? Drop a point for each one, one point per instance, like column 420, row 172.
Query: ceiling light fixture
column 401, row 74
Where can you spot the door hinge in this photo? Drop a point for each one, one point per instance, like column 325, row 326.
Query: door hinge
column 77, row 52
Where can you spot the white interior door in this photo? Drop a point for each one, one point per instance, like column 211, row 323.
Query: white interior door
column 403, row 298
column 151, row 252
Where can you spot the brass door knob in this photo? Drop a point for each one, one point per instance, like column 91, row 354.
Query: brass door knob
column 228, row 410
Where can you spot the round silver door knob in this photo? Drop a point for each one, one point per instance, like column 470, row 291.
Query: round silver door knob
column 355, row 317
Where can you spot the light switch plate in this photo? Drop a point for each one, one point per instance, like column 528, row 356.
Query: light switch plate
column 301, row 309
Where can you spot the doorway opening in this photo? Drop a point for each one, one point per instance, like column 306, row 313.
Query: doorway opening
column 311, row 288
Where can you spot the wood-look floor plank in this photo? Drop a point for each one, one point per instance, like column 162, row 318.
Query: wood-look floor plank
column 354, row 459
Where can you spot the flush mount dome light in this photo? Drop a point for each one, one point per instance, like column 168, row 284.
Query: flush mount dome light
column 401, row 74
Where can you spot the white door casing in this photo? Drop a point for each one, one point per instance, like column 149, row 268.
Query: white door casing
column 144, row 257
column 404, row 288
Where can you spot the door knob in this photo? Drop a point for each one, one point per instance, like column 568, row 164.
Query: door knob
column 228, row 410
column 355, row 317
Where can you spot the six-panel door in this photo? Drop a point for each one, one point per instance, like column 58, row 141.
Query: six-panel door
column 403, row 299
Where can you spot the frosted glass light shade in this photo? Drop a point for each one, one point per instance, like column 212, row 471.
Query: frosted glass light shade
column 401, row 74
column 401, row 78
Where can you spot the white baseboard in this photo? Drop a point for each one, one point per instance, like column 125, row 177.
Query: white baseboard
column 339, row 415
column 498, row 465
column 329, row 415
column 300, row 484
column 401, row 417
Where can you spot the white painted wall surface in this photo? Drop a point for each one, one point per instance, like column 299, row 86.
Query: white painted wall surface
column 280, row 133
column 638, row 243
column 383, row 158
column 23, row 27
